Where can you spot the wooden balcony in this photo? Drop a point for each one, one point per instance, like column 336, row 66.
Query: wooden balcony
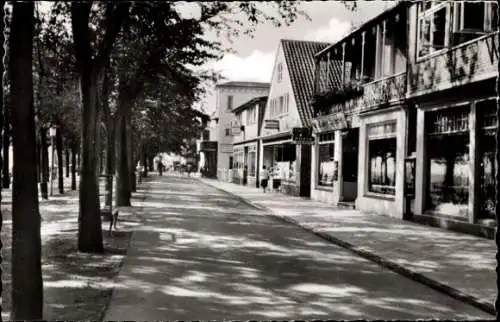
column 378, row 94
column 469, row 62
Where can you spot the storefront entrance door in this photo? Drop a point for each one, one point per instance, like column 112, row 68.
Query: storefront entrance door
column 350, row 142
column 305, row 171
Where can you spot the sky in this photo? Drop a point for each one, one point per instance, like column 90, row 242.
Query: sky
column 254, row 58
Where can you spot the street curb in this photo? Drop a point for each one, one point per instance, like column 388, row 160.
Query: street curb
column 418, row 277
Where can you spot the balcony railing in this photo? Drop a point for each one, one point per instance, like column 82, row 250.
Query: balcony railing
column 469, row 62
column 377, row 94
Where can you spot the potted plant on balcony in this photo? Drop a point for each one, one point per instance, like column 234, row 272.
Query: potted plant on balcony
column 323, row 101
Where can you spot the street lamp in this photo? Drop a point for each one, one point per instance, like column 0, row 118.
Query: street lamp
column 52, row 134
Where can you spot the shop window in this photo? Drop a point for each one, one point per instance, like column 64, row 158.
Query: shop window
column 382, row 145
column 486, row 145
column 448, row 174
column 284, row 165
column 326, row 164
column 382, row 166
column 448, row 162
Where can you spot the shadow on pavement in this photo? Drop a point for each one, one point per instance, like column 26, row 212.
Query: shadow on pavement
column 202, row 254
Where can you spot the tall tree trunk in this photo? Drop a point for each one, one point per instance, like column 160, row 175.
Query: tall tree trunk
column 497, row 199
column 89, row 228
column 2, row 112
column 44, row 160
column 60, row 164
column 38, row 158
column 66, row 157
column 131, row 160
column 122, row 167
column 27, row 285
column 89, row 219
column 151, row 163
column 6, row 145
column 73, row 166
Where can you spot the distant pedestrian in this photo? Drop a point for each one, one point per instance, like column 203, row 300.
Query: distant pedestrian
column 160, row 168
column 140, row 170
column 265, row 178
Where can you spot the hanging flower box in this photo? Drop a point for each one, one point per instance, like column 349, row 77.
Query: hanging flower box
column 323, row 101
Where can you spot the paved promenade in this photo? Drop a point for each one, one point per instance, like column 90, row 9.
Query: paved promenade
column 459, row 264
column 199, row 253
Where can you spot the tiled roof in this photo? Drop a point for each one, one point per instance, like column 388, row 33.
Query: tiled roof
column 299, row 56
column 250, row 103
column 244, row 84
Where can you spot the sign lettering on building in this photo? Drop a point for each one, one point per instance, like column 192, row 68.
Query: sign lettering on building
column 382, row 129
column 226, row 148
column 449, row 121
column 330, row 122
column 302, row 135
column 208, row 146
column 235, row 127
column 271, row 125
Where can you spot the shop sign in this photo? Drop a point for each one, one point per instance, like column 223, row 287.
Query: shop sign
column 330, row 122
column 226, row 148
column 382, row 130
column 208, row 146
column 302, row 135
column 271, row 125
column 235, row 127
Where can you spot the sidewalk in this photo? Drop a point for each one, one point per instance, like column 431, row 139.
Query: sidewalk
column 463, row 266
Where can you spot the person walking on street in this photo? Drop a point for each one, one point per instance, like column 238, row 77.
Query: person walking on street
column 265, row 178
column 160, row 168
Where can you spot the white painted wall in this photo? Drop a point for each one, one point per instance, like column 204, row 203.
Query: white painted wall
column 251, row 130
column 390, row 205
column 240, row 95
column 292, row 118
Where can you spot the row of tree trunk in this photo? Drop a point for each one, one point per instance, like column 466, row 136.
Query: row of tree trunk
column 30, row 156
column 43, row 162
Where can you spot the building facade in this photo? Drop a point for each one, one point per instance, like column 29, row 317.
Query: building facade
column 230, row 95
column 246, row 145
column 288, row 108
column 361, row 123
column 409, row 133
column 452, row 75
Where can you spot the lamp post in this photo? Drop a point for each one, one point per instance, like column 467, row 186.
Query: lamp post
column 52, row 134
